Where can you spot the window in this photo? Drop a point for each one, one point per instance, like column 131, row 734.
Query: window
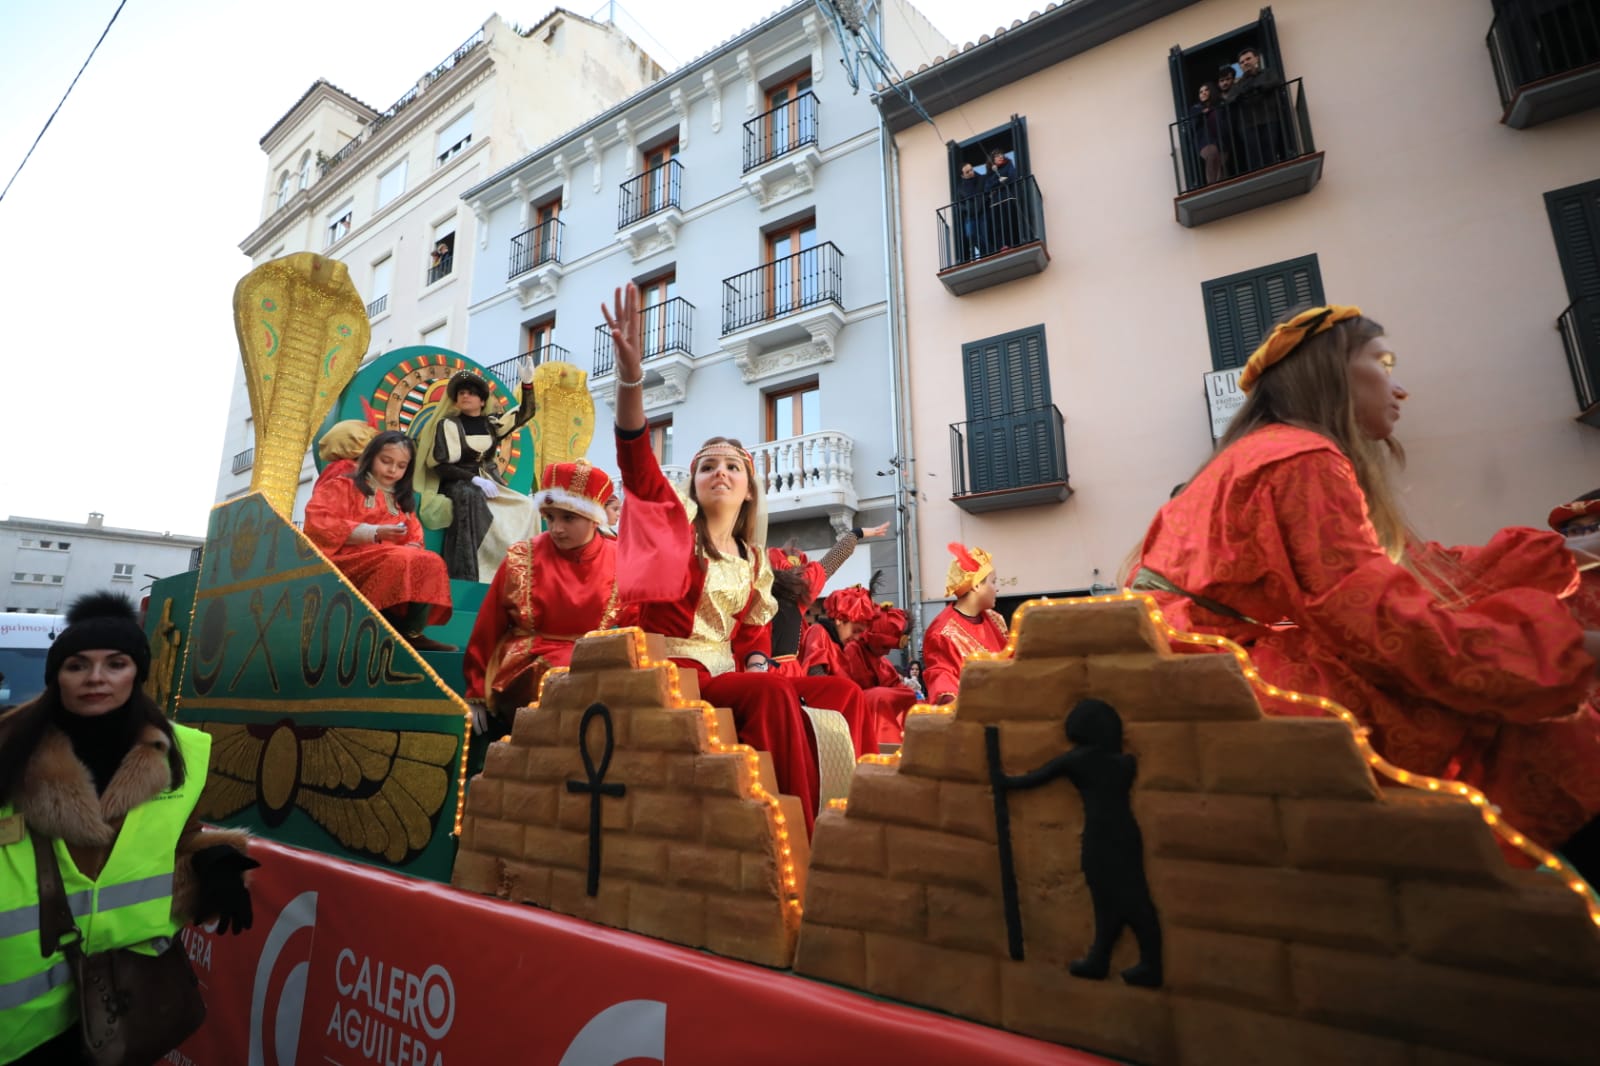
column 339, row 223
column 658, row 185
column 1010, row 420
column 794, row 412
column 283, row 189
column 1192, row 67
column 62, row 545
column 792, row 275
column 539, row 336
column 454, row 138
column 120, row 572
column 305, row 170
column 19, row 577
column 1575, row 221
column 382, row 275
column 789, row 123
column 391, row 183
column 55, row 579
column 435, row 336
column 45, row 543
column 547, row 245
column 1241, row 308
column 1011, row 139
column 656, row 295
column 661, row 440
column 441, row 260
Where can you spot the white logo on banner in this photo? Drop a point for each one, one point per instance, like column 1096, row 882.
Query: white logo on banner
column 374, row 991
column 301, row 913
column 632, row 1029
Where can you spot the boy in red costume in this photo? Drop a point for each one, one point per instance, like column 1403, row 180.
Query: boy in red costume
column 887, row 695
column 967, row 626
column 550, row 590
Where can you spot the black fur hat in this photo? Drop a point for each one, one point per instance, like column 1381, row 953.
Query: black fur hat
column 95, row 621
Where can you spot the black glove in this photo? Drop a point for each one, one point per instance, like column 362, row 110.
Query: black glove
column 220, row 891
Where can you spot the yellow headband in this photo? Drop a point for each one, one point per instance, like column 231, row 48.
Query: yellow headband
column 722, row 451
column 1286, row 337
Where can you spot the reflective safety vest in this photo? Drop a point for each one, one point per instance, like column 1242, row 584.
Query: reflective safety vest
column 128, row 906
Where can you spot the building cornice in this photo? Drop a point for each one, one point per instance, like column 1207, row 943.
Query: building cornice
column 21, row 524
column 321, row 91
column 991, row 63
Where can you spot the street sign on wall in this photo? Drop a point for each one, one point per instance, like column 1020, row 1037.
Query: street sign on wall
column 1224, row 399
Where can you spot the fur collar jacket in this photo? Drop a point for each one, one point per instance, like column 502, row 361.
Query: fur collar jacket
column 57, row 798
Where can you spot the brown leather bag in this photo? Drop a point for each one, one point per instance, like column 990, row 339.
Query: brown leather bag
column 132, row 1008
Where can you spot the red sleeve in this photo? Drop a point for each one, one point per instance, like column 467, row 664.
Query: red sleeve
column 332, row 513
column 1517, row 557
column 857, row 666
column 487, row 630
column 413, row 529
column 941, row 666
column 1515, row 653
column 816, row 649
column 748, row 640
column 656, row 544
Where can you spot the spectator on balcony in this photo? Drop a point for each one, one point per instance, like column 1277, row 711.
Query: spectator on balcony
column 1464, row 663
column 1007, row 215
column 966, row 627
column 971, row 219
column 365, row 522
column 697, row 569
column 1209, row 123
column 464, row 492
column 1257, row 100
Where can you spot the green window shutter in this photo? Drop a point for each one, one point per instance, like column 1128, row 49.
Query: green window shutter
column 1009, row 424
column 1241, row 308
column 1575, row 223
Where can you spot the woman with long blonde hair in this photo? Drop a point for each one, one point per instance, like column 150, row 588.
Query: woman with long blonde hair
column 1464, row 662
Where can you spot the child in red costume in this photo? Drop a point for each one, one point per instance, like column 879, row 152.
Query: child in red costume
column 967, row 626
column 888, row 696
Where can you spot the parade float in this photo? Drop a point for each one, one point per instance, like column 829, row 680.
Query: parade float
column 623, row 882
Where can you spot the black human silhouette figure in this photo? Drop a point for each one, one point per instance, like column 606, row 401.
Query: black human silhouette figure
column 1113, row 849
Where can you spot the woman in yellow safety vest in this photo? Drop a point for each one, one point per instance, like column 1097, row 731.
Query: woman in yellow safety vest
column 80, row 765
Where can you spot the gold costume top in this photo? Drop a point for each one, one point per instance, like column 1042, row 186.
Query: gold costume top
column 726, row 590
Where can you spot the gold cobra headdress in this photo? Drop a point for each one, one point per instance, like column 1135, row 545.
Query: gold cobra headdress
column 1287, row 337
column 967, row 570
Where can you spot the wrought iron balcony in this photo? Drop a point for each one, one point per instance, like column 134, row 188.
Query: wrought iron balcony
column 655, row 190
column 788, row 126
column 813, row 474
column 441, row 269
column 1013, row 460
column 992, row 238
column 536, row 247
column 793, row 283
column 1546, row 58
column 509, row 370
column 1580, row 335
column 1252, row 151
column 378, row 306
column 244, row 460
column 666, row 327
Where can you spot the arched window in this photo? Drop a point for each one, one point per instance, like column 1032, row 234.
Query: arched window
column 283, row 188
column 305, row 170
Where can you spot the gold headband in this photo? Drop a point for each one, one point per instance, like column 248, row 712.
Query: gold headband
column 722, row 450
column 1287, row 337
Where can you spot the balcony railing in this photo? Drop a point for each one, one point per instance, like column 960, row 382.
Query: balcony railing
column 536, row 247
column 804, row 279
column 550, row 353
column 1539, row 46
column 327, row 163
column 1013, row 460
column 666, row 327
column 655, row 190
column 244, row 460
column 378, row 306
column 786, row 127
column 441, row 268
column 1580, row 335
column 798, row 466
column 991, row 223
column 1251, row 133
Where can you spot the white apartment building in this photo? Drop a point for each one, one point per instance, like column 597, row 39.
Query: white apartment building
column 745, row 194
column 381, row 190
column 49, row 563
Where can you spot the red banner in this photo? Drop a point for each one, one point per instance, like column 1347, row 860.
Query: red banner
column 350, row 965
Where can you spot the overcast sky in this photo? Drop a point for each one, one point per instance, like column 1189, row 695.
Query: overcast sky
column 123, row 229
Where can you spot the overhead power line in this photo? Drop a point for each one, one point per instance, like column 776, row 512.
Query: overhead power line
column 64, row 96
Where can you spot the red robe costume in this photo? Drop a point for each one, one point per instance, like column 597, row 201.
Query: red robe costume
column 714, row 615
column 883, row 690
column 1485, row 690
column 949, row 640
column 824, row 683
column 542, row 599
column 388, row 575
column 816, row 573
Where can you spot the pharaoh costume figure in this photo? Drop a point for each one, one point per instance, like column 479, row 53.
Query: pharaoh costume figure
column 542, row 599
column 486, row 516
column 957, row 633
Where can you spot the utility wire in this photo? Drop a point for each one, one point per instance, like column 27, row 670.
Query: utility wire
column 64, row 96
